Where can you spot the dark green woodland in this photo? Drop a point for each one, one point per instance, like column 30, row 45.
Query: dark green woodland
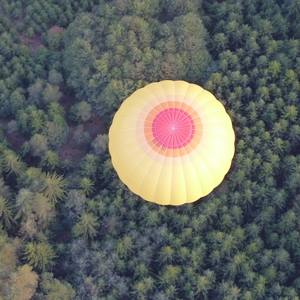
column 69, row 228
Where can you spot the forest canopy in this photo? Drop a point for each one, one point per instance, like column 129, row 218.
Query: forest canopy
column 69, row 229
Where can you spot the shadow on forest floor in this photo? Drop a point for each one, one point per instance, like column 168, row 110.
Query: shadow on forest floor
column 72, row 149
column 75, row 146
column 33, row 43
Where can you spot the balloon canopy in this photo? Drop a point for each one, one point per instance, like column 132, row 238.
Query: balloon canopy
column 171, row 142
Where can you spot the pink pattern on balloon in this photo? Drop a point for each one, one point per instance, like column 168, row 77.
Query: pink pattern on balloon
column 173, row 128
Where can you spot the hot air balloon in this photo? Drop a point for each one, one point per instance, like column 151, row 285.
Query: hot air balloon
column 171, row 142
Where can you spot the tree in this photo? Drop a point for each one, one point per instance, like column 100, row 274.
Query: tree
column 35, row 91
column 54, row 289
column 17, row 99
column 100, row 144
column 23, row 283
column 54, row 37
column 167, row 254
column 54, row 189
column 31, row 120
column 12, row 162
column 39, row 145
column 203, row 286
column 55, row 77
column 81, row 112
column 6, row 215
column 274, row 68
column 89, row 165
column 51, row 93
column 170, row 274
column 86, row 185
column 43, row 210
column 86, row 226
column 81, row 136
column 56, row 132
column 205, row 283
column 50, row 160
column 39, row 255
column 12, row 127
column 143, row 287
column 79, row 60
column 29, row 228
column 24, row 203
column 8, row 250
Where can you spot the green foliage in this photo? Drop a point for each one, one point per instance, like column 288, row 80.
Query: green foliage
column 39, row 145
column 23, row 283
column 43, row 210
column 81, row 112
column 86, row 227
column 51, row 93
column 6, row 214
column 58, row 189
column 86, row 185
column 55, row 77
column 39, row 255
column 54, row 289
column 170, row 274
column 11, row 162
column 56, row 132
column 51, row 160
column 106, row 68
column 31, row 120
column 54, row 189
column 100, row 144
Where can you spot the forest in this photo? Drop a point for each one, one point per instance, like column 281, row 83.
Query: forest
column 69, row 228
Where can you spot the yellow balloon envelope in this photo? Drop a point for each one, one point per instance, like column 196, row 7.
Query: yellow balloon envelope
column 171, row 142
